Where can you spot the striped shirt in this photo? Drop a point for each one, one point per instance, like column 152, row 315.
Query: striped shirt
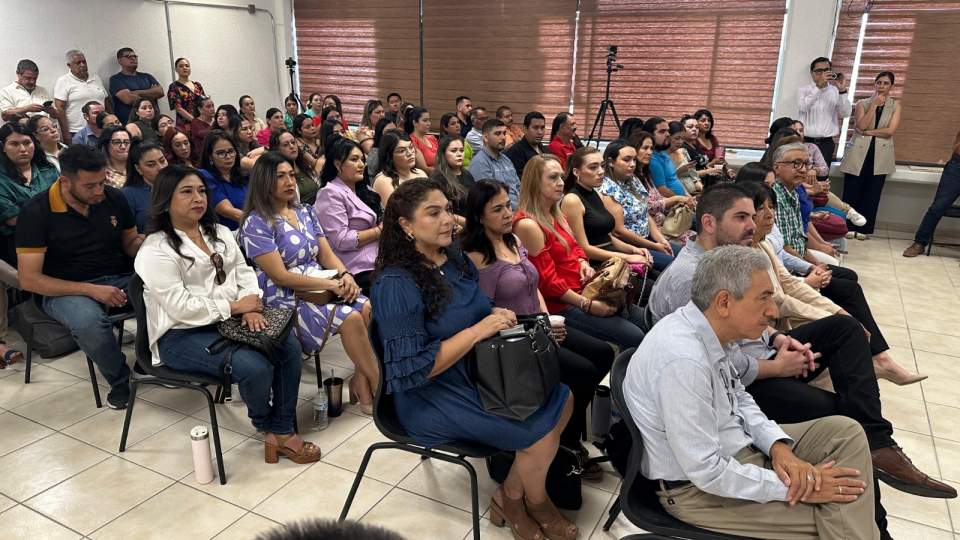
column 789, row 219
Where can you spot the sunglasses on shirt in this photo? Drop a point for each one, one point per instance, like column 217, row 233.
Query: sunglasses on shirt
column 220, row 277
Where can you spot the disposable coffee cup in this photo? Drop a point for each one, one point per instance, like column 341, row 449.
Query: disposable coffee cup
column 557, row 321
column 334, row 388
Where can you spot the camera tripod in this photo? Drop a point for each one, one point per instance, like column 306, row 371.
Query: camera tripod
column 291, row 66
column 607, row 103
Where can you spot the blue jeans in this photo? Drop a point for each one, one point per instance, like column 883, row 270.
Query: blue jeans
column 185, row 350
column 86, row 319
column 661, row 260
column 947, row 193
column 624, row 331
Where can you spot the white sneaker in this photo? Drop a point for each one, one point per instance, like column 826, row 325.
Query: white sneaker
column 856, row 218
column 850, row 235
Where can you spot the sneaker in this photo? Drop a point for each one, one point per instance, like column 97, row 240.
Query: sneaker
column 856, row 217
column 850, row 235
column 117, row 400
column 861, row 236
column 914, row 249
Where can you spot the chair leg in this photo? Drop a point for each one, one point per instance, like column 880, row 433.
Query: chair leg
column 359, row 477
column 316, row 363
column 474, row 497
column 126, row 420
column 216, row 435
column 119, row 326
column 28, row 361
column 614, row 513
column 93, row 381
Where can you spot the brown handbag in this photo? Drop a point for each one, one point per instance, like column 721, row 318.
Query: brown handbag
column 611, row 284
column 320, row 298
column 678, row 221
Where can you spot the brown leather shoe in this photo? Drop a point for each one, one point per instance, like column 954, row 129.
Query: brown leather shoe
column 914, row 249
column 894, row 467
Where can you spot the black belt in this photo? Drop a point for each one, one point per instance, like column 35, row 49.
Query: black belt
column 816, row 140
column 673, row 484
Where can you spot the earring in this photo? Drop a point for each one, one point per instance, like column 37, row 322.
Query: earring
column 411, row 238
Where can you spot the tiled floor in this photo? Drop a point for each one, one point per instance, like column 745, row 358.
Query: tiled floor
column 62, row 477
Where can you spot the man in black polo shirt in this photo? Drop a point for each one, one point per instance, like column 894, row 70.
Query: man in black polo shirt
column 74, row 245
column 520, row 152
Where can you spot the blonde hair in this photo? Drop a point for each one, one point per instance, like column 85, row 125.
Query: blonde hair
column 531, row 201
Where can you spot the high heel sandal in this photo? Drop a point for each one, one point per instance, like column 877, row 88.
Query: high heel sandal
column 514, row 514
column 551, row 521
column 365, row 408
column 889, row 374
column 308, row 452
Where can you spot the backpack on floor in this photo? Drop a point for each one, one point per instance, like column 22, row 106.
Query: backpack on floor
column 50, row 338
column 563, row 477
column 616, row 446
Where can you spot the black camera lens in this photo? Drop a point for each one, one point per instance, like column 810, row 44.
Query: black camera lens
column 612, row 49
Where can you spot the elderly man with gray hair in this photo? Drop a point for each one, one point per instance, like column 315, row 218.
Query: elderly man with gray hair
column 720, row 462
column 76, row 88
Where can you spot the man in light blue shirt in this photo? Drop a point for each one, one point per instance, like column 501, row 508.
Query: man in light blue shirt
column 662, row 170
column 721, row 463
column 490, row 163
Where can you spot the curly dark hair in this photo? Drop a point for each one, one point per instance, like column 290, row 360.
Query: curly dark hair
column 397, row 250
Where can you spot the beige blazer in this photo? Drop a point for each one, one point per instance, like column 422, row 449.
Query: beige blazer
column 884, row 160
column 799, row 303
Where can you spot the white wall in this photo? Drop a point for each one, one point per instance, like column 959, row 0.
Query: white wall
column 808, row 34
column 231, row 51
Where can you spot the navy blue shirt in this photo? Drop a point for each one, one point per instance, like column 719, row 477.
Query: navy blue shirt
column 138, row 197
column 119, row 81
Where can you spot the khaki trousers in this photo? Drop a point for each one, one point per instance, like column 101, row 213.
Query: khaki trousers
column 831, row 438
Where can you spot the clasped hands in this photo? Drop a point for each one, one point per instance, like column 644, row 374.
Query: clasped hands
column 814, row 484
column 794, row 359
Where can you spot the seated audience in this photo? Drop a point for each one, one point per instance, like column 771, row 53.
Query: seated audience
column 561, row 263
column 226, row 185
column 510, row 280
column 431, row 312
column 227, row 118
column 452, row 177
column 333, row 101
column 74, row 90
column 685, row 167
column 706, row 140
column 284, row 143
column 393, row 103
column 128, row 85
column 143, row 124
column 658, row 206
column 490, row 163
column 106, row 119
column 708, row 171
column 530, row 143
column 450, row 127
column 248, row 111
column 417, row 126
column 333, row 113
column 194, row 276
column 291, row 109
column 74, row 244
column 464, row 108
column 115, row 145
column 627, row 200
column 183, row 95
column 349, row 211
column 247, row 145
column 662, row 171
column 474, row 136
column 563, row 134
column 145, row 162
column 47, row 135
column 24, row 173
column 24, row 96
column 720, row 462
column 274, row 123
column 164, row 122
column 373, row 156
column 948, row 190
column 307, row 134
column 314, row 105
column 398, row 159
column 201, row 124
column 372, row 113
column 590, row 221
column 329, row 130
column 405, row 108
column 176, row 147
column 514, row 132
column 89, row 133
column 630, row 126
column 291, row 254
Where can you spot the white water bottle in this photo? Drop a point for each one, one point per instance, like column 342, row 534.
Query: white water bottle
column 202, row 467
column 320, row 406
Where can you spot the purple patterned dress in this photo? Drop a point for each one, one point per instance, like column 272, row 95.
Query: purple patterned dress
column 298, row 249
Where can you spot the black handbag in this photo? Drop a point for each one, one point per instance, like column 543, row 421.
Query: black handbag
column 516, row 374
column 564, row 477
column 234, row 335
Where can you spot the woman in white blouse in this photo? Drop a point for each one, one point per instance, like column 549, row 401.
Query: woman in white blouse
column 195, row 276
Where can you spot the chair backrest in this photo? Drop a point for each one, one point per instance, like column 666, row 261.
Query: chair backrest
column 142, row 343
column 638, row 497
column 384, row 410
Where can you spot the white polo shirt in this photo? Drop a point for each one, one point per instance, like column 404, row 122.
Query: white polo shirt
column 77, row 92
column 14, row 95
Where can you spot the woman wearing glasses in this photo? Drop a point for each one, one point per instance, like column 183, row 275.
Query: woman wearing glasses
column 292, row 254
column 48, row 137
column 220, row 169
column 195, row 276
column 114, row 142
column 398, row 163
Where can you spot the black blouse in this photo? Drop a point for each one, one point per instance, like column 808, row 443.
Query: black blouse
column 598, row 223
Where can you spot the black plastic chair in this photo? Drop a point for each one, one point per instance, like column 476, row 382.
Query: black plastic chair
column 638, row 495
column 386, row 420
column 116, row 319
column 166, row 377
column 952, row 212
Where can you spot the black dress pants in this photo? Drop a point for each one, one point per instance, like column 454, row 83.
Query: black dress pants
column 584, row 362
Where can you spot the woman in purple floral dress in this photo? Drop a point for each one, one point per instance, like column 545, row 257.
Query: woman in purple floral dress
column 291, row 253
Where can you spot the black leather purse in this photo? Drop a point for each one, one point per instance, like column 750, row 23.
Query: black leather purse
column 516, row 374
column 234, row 335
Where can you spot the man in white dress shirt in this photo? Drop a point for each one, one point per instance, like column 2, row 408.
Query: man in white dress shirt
column 822, row 104
column 75, row 89
column 24, row 96
column 721, row 463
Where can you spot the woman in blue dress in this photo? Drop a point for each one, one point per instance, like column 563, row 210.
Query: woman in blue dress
column 220, row 170
column 431, row 312
column 291, row 253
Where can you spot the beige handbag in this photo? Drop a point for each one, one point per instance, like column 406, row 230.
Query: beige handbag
column 678, row 221
column 611, row 283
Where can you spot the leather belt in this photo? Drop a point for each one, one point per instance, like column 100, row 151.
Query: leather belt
column 673, row 484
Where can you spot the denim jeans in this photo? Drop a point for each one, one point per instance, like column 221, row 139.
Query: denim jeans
column 185, row 350
column 86, row 319
column 947, row 193
column 626, row 331
column 661, row 260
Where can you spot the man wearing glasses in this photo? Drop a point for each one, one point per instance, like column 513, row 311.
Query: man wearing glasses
column 791, row 163
column 128, row 85
column 74, row 244
column 822, row 104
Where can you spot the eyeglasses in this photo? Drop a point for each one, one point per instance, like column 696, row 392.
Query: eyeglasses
column 223, row 154
column 798, row 164
column 46, row 129
column 407, row 150
column 821, row 70
column 120, row 142
column 220, row 277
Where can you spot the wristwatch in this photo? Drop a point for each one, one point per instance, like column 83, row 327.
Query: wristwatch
column 773, row 338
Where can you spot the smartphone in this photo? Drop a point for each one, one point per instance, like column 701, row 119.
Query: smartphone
column 47, row 104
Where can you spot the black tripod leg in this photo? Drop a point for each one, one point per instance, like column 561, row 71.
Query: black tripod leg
column 616, row 117
column 601, row 114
